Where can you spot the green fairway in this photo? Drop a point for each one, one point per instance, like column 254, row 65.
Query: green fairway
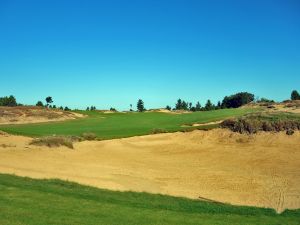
column 35, row 202
column 117, row 125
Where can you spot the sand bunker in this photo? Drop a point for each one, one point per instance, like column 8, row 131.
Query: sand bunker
column 261, row 170
column 203, row 124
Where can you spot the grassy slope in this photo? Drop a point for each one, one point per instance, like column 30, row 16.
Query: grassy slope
column 34, row 202
column 119, row 125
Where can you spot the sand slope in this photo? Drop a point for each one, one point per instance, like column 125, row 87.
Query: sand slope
column 261, row 170
column 32, row 114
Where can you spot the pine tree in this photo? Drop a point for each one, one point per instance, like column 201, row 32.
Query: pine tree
column 198, row 106
column 209, row 106
column 140, row 105
column 295, row 95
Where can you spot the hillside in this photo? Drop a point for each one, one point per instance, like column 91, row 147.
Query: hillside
column 28, row 114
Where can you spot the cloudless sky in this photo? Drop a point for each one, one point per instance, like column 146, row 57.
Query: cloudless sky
column 112, row 52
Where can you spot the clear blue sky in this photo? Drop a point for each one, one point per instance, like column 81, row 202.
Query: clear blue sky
column 112, row 52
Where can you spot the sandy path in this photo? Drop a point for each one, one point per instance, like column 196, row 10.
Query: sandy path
column 263, row 170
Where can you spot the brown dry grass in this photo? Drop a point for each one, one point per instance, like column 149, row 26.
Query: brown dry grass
column 286, row 106
column 53, row 141
column 31, row 114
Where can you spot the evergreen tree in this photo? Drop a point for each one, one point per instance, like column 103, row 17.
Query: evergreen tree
column 190, row 106
column 184, row 105
column 209, row 106
column 49, row 100
column 178, row 105
column 140, row 105
column 295, row 95
column 40, row 104
column 198, row 106
column 237, row 100
column 8, row 101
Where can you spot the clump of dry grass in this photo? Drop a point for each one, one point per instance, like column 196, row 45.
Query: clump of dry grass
column 53, row 141
column 7, row 145
column 56, row 141
column 89, row 136
column 158, row 131
column 3, row 133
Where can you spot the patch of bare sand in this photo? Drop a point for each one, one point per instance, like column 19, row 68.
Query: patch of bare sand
column 203, row 124
column 261, row 170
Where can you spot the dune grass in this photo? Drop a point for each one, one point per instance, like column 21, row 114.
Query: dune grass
column 118, row 125
column 264, row 121
column 25, row 201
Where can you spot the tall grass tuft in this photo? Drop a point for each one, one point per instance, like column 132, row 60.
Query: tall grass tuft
column 53, row 141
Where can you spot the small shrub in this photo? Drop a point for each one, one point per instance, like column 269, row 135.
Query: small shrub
column 267, row 126
column 89, row 136
column 53, row 141
column 76, row 138
column 230, row 123
column 290, row 132
column 7, row 145
column 158, row 131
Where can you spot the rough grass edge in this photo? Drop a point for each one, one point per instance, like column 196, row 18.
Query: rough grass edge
column 67, row 141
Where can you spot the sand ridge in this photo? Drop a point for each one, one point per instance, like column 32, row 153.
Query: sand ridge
column 32, row 114
column 259, row 170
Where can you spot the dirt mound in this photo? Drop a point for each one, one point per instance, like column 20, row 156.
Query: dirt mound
column 285, row 106
column 25, row 114
column 257, row 170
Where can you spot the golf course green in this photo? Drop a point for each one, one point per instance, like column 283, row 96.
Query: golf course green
column 119, row 125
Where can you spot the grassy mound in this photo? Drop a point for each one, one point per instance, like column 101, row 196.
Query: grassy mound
column 270, row 122
column 25, row 201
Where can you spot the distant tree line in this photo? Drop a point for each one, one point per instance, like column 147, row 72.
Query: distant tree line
column 8, row 101
column 188, row 106
column 48, row 104
column 232, row 101
column 92, row 108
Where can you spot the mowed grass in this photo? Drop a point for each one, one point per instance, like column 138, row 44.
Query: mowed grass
column 118, row 125
column 25, row 201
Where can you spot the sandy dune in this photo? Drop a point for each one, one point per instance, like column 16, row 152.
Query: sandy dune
column 261, row 170
column 31, row 114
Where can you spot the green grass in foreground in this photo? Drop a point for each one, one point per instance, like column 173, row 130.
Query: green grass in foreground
column 118, row 125
column 25, row 201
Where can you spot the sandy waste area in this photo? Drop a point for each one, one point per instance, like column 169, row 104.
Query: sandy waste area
column 260, row 170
